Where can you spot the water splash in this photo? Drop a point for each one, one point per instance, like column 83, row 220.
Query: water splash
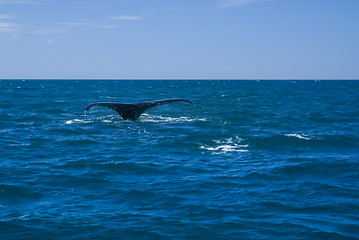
column 144, row 118
column 158, row 119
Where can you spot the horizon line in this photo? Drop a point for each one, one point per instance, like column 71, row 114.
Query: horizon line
column 198, row 79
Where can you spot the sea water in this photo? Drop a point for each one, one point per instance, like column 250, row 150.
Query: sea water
column 250, row 160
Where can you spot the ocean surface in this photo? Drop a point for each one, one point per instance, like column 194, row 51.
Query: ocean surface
column 251, row 160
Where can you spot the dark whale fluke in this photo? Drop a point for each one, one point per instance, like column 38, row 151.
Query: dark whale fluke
column 134, row 110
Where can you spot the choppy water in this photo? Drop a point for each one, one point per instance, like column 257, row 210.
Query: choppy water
column 251, row 160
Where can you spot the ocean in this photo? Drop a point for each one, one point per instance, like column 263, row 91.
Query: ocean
column 250, row 160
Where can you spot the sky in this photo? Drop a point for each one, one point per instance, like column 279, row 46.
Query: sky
column 179, row 39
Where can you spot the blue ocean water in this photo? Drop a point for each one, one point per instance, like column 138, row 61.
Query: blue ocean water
column 251, row 160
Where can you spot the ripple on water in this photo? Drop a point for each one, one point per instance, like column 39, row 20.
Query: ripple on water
column 11, row 194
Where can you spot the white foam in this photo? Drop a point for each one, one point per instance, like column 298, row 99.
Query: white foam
column 157, row 118
column 298, row 136
column 227, row 145
column 77, row 121
column 144, row 118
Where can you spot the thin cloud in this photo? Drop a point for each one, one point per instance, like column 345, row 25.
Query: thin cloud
column 50, row 31
column 17, row 2
column 6, row 16
column 6, row 27
column 127, row 18
column 149, row 12
column 163, row 10
column 86, row 24
column 235, row 3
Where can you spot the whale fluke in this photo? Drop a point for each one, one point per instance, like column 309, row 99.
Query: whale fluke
column 133, row 111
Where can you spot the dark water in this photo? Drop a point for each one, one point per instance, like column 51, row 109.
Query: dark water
column 251, row 160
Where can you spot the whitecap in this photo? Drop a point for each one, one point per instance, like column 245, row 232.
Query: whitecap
column 226, row 145
column 77, row 121
column 158, row 118
column 300, row 136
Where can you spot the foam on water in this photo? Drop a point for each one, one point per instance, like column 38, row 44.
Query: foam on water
column 300, row 136
column 226, row 145
column 158, row 119
column 144, row 118
column 77, row 121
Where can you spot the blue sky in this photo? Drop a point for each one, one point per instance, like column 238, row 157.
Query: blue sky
column 179, row 39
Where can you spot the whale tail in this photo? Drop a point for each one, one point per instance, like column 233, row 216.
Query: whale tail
column 133, row 111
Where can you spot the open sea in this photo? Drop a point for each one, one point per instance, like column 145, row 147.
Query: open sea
column 250, row 160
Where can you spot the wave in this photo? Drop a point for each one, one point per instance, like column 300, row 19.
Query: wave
column 300, row 142
column 128, row 167
column 315, row 168
column 92, row 119
column 16, row 194
column 300, row 136
column 77, row 121
column 158, row 118
column 144, row 118
column 226, row 145
column 285, row 143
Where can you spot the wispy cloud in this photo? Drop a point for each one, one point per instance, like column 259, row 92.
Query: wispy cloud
column 6, row 27
column 18, row 2
column 87, row 24
column 235, row 3
column 6, row 16
column 148, row 13
column 127, row 18
column 155, row 11
column 49, row 31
